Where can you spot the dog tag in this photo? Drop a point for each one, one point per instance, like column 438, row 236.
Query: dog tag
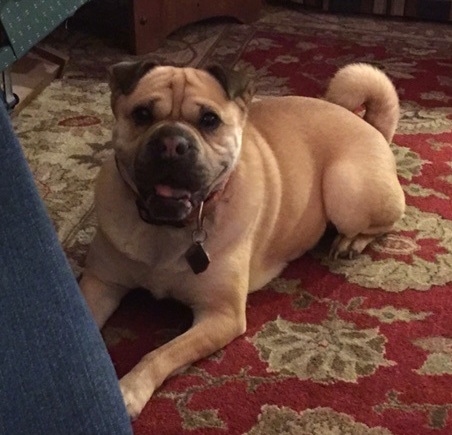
column 197, row 258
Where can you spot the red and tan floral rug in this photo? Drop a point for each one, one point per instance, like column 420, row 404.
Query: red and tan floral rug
column 333, row 347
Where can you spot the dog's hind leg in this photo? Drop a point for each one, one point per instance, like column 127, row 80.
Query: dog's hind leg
column 363, row 200
column 349, row 247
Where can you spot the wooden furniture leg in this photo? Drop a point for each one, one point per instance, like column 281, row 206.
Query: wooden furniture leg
column 154, row 20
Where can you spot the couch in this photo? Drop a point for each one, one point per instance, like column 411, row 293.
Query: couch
column 23, row 23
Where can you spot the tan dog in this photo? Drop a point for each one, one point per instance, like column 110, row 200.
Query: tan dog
column 257, row 182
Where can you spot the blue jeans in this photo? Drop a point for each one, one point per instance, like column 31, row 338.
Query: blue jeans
column 56, row 376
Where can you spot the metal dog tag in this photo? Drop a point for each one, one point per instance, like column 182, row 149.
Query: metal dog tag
column 197, row 257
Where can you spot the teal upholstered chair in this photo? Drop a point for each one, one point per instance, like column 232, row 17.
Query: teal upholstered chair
column 23, row 24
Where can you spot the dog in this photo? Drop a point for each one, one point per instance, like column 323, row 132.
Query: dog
column 210, row 193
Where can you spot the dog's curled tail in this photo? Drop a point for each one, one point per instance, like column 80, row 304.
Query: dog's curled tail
column 361, row 84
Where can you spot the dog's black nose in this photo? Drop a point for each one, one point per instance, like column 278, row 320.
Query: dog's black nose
column 170, row 142
column 171, row 146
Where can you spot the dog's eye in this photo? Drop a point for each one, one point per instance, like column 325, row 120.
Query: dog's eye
column 209, row 120
column 142, row 115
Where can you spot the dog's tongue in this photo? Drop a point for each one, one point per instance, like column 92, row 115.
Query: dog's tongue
column 169, row 192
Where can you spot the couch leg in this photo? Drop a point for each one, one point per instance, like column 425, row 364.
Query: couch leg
column 10, row 99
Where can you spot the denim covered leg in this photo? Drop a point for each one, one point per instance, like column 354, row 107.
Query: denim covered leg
column 56, row 376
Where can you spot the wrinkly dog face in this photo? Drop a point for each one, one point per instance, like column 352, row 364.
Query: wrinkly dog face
column 178, row 133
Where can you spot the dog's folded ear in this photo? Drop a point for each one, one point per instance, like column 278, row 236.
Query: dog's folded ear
column 124, row 76
column 237, row 84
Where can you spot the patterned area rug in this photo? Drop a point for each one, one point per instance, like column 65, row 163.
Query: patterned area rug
column 345, row 347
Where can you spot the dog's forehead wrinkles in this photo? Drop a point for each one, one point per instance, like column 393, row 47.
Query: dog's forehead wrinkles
column 177, row 92
column 166, row 85
column 177, row 86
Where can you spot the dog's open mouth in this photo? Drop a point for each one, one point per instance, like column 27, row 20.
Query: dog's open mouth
column 166, row 205
column 171, row 193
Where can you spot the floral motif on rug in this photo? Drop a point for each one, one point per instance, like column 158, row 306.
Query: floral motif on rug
column 359, row 346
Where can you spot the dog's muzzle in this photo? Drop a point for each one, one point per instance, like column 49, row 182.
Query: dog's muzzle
column 169, row 177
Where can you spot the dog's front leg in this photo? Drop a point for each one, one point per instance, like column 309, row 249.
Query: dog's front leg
column 103, row 299
column 211, row 330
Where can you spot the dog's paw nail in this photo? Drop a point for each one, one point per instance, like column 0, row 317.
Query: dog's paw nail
column 352, row 254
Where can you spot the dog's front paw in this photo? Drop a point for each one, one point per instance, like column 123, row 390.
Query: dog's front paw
column 136, row 392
